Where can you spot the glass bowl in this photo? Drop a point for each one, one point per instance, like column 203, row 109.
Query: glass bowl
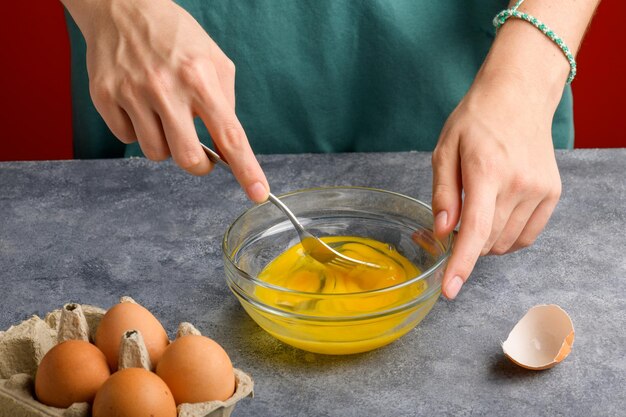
column 360, row 321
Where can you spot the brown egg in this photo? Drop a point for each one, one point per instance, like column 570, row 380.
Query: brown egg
column 134, row 392
column 71, row 372
column 197, row 369
column 130, row 316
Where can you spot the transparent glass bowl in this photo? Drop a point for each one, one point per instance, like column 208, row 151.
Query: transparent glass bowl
column 361, row 321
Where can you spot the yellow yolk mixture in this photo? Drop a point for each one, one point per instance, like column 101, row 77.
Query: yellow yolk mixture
column 297, row 271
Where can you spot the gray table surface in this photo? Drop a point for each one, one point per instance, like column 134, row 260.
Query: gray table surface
column 92, row 231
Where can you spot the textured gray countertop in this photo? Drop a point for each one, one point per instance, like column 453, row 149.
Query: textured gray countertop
column 91, row 231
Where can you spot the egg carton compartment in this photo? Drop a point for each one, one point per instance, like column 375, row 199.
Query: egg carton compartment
column 23, row 346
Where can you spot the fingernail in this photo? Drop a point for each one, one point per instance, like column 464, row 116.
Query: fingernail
column 257, row 192
column 453, row 287
column 441, row 220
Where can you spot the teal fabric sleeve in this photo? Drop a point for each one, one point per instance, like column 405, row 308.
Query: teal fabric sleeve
column 333, row 75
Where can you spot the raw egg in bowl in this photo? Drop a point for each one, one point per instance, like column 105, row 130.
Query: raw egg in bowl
column 327, row 309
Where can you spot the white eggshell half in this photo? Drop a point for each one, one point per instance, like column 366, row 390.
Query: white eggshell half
column 541, row 339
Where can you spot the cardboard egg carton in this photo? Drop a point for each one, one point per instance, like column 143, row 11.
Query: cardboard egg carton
column 23, row 346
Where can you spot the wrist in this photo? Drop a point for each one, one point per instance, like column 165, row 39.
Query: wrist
column 526, row 58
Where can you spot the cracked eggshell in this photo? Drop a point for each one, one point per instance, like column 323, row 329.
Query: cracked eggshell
column 541, row 339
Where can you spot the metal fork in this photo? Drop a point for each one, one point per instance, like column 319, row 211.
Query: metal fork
column 314, row 246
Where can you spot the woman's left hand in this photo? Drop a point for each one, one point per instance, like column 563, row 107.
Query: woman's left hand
column 496, row 147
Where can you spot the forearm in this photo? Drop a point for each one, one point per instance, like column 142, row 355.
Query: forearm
column 81, row 10
column 90, row 13
column 521, row 51
column 568, row 18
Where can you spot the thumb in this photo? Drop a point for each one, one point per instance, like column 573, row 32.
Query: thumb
column 446, row 189
column 230, row 138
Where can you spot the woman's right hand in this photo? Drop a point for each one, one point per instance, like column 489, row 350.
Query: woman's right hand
column 152, row 68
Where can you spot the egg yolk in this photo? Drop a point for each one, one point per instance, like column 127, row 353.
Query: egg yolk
column 313, row 282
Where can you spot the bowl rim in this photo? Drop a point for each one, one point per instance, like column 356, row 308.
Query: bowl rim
column 442, row 259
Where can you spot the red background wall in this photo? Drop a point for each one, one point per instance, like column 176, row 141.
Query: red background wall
column 35, row 118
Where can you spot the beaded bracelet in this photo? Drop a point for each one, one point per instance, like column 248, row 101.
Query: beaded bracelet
column 513, row 12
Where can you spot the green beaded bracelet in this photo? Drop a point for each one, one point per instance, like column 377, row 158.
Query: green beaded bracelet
column 513, row 12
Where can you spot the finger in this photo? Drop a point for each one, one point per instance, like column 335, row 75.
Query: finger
column 446, row 190
column 513, row 228
column 226, row 76
column 225, row 70
column 229, row 136
column 184, row 143
column 147, row 126
column 535, row 224
column 476, row 221
column 228, row 88
column 502, row 215
column 114, row 116
column 118, row 121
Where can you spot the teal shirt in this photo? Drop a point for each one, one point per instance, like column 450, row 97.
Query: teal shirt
column 332, row 75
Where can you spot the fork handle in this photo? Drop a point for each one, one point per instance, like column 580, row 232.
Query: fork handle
column 294, row 220
column 216, row 159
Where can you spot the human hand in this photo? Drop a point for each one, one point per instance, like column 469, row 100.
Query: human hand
column 152, row 68
column 496, row 147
